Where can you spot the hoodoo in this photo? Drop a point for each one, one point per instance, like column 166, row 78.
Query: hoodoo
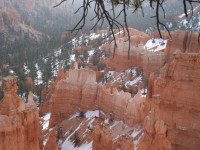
column 20, row 125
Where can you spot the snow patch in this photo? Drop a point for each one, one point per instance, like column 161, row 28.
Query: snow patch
column 106, row 121
column 136, row 80
column 181, row 128
column 136, row 142
column 45, row 141
column 136, row 132
column 90, row 123
column 68, row 145
column 46, row 119
column 91, row 52
column 94, row 36
column 74, row 116
column 72, row 57
column 110, row 73
column 133, row 72
column 58, row 52
column 155, row 45
column 91, row 114
column 26, row 70
column 144, row 92
column 11, row 72
column 38, row 80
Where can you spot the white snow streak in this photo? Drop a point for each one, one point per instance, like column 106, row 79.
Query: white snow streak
column 46, row 118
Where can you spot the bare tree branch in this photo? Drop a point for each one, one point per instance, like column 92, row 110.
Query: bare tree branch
column 101, row 14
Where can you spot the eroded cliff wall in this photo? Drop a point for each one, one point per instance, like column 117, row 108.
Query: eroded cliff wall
column 20, row 126
column 178, row 104
column 76, row 93
column 80, row 92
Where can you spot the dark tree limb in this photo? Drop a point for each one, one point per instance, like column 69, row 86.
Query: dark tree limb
column 101, row 14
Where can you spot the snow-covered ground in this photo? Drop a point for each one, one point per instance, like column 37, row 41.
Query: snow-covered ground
column 68, row 145
column 58, row 52
column 137, row 141
column 11, row 71
column 109, row 74
column 136, row 132
column 94, row 36
column 136, row 80
column 85, row 39
column 84, row 125
column 27, row 71
column 46, row 119
column 38, row 79
column 129, row 77
column 72, row 57
column 92, row 114
column 91, row 52
column 155, row 45
column 57, row 60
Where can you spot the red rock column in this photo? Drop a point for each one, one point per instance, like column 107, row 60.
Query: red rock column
column 101, row 140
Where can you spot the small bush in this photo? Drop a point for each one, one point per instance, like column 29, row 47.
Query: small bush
column 76, row 139
column 81, row 114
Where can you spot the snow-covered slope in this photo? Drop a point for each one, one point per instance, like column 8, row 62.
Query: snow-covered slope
column 64, row 55
column 82, row 127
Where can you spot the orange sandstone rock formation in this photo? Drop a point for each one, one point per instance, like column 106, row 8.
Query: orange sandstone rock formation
column 154, row 135
column 51, row 144
column 153, row 62
column 160, row 141
column 110, row 100
column 48, row 93
column 29, row 84
column 175, row 100
column 169, row 113
column 20, row 126
column 181, row 41
column 135, row 110
column 120, row 60
column 185, row 41
column 102, row 140
column 78, row 92
column 121, row 104
column 139, row 56
column 127, row 144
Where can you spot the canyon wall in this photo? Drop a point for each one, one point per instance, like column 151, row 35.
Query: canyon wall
column 171, row 110
column 119, row 59
column 80, row 92
column 48, row 93
column 121, row 104
column 180, row 41
column 175, row 100
column 20, row 126
column 76, row 93
column 185, row 41
column 153, row 62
